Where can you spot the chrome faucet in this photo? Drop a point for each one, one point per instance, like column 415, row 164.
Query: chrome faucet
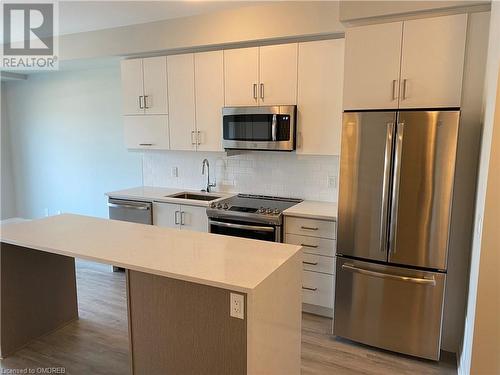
column 209, row 185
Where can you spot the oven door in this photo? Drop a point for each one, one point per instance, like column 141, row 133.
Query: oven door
column 245, row 230
column 259, row 128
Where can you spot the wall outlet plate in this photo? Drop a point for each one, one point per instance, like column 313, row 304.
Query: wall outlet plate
column 237, row 305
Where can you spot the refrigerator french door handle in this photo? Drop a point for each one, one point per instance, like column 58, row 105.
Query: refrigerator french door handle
column 415, row 280
column 385, row 186
column 395, row 186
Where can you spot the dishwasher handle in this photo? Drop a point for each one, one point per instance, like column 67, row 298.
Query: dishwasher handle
column 143, row 207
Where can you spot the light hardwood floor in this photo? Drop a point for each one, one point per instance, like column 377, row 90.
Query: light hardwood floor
column 98, row 342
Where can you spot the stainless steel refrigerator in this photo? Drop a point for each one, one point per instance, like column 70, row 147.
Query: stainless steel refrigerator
column 396, row 184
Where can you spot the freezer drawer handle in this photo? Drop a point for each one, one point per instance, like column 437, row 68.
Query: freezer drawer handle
column 115, row 205
column 415, row 280
column 311, row 289
column 311, row 246
column 310, row 263
column 309, row 228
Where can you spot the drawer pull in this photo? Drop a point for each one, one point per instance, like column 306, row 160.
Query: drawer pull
column 311, row 246
column 309, row 228
column 310, row 263
column 311, row 289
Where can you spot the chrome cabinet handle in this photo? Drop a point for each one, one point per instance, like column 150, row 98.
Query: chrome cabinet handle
column 404, row 89
column 311, row 289
column 255, row 91
column 395, row 186
column 394, row 88
column 262, row 91
column 385, row 186
column 193, row 142
column 311, row 246
column 310, row 263
column 416, row 280
column 198, row 137
column 129, row 206
column 140, row 102
column 309, row 228
column 183, row 216
column 146, row 102
column 176, row 217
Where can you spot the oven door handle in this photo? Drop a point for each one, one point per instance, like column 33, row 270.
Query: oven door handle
column 241, row 226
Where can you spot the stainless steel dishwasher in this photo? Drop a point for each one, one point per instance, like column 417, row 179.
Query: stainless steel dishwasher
column 131, row 211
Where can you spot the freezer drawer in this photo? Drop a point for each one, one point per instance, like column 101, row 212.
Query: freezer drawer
column 389, row 307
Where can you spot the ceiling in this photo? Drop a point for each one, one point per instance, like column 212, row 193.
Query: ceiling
column 82, row 16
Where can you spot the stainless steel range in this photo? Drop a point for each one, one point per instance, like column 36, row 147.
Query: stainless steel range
column 251, row 216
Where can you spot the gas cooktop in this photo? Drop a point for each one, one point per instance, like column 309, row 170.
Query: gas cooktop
column 254, row 208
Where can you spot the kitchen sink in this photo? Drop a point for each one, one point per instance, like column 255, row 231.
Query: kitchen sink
column 194, row 196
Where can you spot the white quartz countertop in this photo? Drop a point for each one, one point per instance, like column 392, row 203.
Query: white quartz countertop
column 222, row 261
column 313, row 210
column 160, row 194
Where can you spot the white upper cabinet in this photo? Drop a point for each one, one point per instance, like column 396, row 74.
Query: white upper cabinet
column 241, row 76
column 411, row 64
column 146, row 132
column 372, row 63
column 278, row 74
column 320, row 79
column 144, row 86
column 155, row 85
column 433, row 61
column 181, row 102
column 132, row 87
column 209, row 94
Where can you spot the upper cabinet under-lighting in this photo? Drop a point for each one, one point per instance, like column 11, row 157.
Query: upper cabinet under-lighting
column 411, row 64
column 263, row 76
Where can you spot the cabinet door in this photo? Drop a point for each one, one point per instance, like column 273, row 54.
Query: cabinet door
column 433, row 61
column 372, row 62
column 155, row 85
column 320, row 81
column 241, row 76
column 167, row 215
column 278, row 74
column 146, row 132
column 181, row 103
column 209, row 93
column 132, row 87
column 194, row 218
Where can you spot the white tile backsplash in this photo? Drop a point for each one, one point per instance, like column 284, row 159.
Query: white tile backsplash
column 268, row 173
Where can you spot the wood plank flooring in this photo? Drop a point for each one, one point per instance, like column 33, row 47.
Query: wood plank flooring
column 98, row 342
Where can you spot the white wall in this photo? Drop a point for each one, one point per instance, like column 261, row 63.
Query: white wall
column 66, row 139
column 268, row 173
column 492, row 73
column 8, row 201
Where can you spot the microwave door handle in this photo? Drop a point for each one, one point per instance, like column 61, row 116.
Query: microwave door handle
column 274, row 128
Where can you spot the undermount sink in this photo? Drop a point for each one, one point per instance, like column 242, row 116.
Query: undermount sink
column 194, row 196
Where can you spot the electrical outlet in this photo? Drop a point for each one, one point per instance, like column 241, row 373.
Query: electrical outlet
column 237, row 306
column 175, row 172
column 332, row 182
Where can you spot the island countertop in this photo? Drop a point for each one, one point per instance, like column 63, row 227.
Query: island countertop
column 221, row 261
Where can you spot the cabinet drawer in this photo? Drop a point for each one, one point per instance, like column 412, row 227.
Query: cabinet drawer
column 317, row 263
column 310, row 227
column 319, row 289
column 312, row 245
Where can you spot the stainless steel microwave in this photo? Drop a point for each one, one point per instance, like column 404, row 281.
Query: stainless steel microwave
column 259, row 128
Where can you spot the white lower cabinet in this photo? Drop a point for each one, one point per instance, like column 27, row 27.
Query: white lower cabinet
column 146, row 132
column 180, row 216
column 317, row 238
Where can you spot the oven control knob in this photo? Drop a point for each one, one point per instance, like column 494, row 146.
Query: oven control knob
column 226, row 206
column 262, row 210
column 276, row 211
column 269, row 211
column 219, row 206
column 212, row 205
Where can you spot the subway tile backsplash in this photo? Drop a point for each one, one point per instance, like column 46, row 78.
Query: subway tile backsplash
column 268, row 173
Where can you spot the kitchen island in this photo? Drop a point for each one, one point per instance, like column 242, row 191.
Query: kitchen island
column 197, row 302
